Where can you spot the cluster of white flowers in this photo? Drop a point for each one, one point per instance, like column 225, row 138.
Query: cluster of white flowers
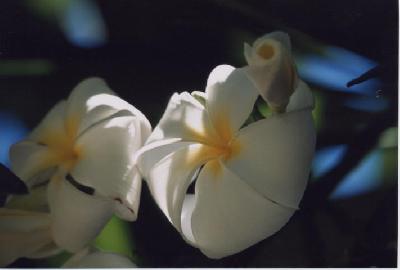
column 79, row 167
column 85, row 160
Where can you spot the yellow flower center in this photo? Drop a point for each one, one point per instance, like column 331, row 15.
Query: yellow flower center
column 215, row 145
column 63, row 151
column 266, row 51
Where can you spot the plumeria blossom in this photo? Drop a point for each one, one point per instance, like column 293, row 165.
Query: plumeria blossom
column 272, row 69
column 249, row 179
column 78, row 164
column 93, row 258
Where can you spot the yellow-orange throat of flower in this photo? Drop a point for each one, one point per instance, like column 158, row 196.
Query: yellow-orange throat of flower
column 63, row 150
column 220, row 144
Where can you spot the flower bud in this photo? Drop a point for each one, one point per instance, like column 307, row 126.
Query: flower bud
column 271, row 69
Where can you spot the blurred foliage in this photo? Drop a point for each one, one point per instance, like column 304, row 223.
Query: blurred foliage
column 28, row 67
column 155, row 48
column 47, row 9
column 116, row 237
column 318, row 112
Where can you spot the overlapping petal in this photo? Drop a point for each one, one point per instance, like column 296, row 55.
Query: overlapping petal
column 76, row 218
column 92, row 101
column 184, row 118
column 106, row 161
column 153, row 152
column 230, row 99
column 32, row 157
column 24, row 234
column 230, row 216
column 84, row 107
column 276, row 156
column 51, row 127
column 126, row 206
column 29, row 161
column 169, row 178
column 302, row 98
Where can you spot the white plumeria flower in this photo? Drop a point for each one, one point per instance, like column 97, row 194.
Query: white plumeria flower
column 82, row 153
column 271, row 68
column 92, row 258
column 249, row 180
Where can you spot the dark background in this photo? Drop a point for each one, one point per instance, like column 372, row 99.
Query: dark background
column 155, row 48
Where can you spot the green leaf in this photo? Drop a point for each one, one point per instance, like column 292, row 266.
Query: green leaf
column 116, row 237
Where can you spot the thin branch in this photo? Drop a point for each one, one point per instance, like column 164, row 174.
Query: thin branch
column 372, row 73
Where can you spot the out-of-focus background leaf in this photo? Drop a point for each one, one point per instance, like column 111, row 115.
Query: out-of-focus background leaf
column 146, row 50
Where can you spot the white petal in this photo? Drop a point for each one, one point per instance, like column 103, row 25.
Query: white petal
column 23, row 221
column 184, row 118
column 302, row 98
column 83, row 114
column 229, row 216
column 92, row 101
column 29, row 161
column 52, row 125
column 150, row 154
column 77, row 218
column 276, row 155
column 106, row 162
column 169, row 179
column 186, row 217
column 230, row 98
column 22, row 234
column 98, row 259
column 127, row 205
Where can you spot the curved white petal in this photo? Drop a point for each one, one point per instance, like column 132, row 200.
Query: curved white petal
column 23, row 221
column 85, row 89
column 151, row 153
column 97, row 259
column 302, row 98
column 126, row 206
column 229, row 216
column 271, row 68
column 230, row 99
column 169, row 179
column 92, row 101
column 80, row 112
column 30, row 160
column 186, row 218
column 184, row 118
column 52, row 125
column 276, row 155
column 22, row 234
column 77, row 218
column 106, row 161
